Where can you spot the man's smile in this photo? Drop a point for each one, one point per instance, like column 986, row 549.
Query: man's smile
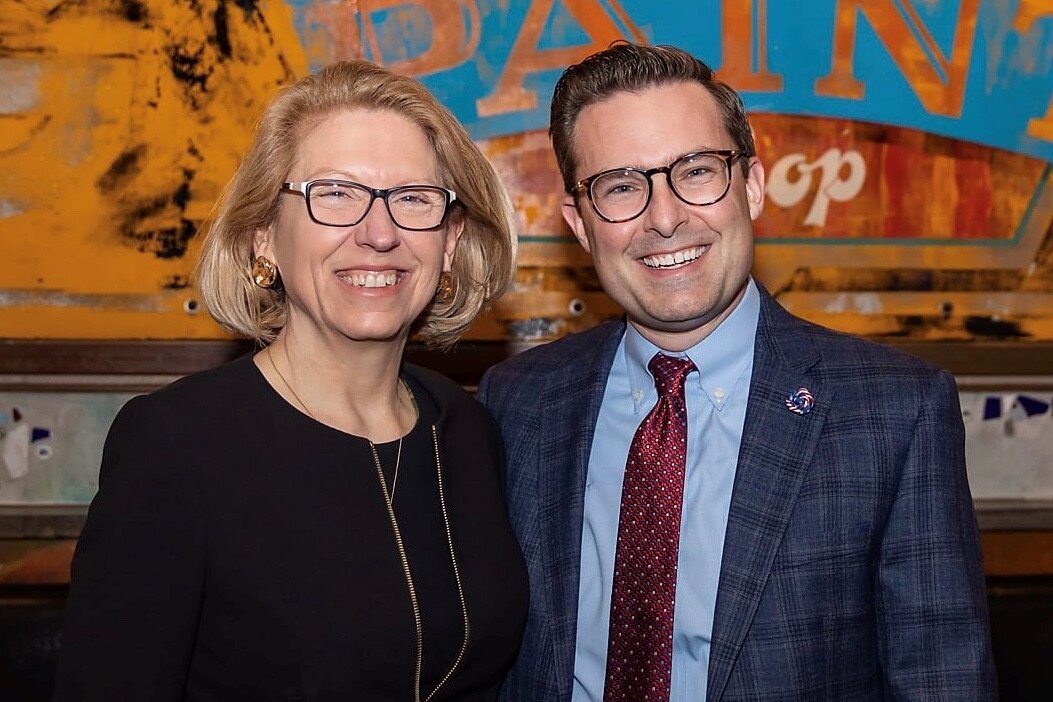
column 677, row 258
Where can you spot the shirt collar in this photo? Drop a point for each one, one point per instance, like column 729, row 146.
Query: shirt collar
column 723, row 358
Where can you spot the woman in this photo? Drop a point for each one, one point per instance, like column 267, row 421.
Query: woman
column 318, row 521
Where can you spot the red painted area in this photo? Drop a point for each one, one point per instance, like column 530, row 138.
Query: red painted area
column 973, row 214
column 898, row 169
column 917, row 185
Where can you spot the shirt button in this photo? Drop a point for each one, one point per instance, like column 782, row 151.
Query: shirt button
column 719, row 393
column 637, row 395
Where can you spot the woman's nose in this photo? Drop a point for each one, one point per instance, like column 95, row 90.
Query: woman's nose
column 377, row 230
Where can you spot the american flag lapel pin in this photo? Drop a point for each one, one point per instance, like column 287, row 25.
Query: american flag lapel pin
column 800, row 402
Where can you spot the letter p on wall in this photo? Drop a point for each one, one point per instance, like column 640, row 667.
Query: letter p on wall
column 786, row 191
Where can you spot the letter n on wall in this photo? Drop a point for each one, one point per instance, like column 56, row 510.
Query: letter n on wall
column 938, row 80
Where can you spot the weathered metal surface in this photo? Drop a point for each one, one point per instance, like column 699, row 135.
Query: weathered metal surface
column 907, row 146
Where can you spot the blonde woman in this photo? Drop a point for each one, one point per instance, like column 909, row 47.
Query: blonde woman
column 319, row 520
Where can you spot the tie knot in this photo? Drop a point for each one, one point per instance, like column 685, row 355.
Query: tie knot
column 669, row 373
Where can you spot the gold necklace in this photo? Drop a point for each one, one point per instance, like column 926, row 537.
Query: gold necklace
column 414, row 604
column 390, row 496
column 400, row 547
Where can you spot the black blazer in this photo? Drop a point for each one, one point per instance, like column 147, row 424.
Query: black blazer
column 238, row 549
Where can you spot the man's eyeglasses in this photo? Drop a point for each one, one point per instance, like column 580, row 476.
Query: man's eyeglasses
column 344, row 203
column 621, row 194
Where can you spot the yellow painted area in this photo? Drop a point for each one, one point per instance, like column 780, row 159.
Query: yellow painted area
column 132, row 119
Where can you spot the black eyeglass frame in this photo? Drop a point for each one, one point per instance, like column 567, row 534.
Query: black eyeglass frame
column 585, row 184
column 304, row 189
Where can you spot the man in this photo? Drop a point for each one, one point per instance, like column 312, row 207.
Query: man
column 806, row 530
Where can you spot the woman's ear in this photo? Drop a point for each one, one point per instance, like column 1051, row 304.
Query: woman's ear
column 454, row 229
column 261, row 243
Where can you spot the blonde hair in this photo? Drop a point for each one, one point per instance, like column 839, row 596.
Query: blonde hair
column 483, row 263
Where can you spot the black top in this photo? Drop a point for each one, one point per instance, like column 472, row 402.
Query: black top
column 238, row 549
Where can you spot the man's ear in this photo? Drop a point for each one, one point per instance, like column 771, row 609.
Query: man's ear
column 572, row 215
column 755, row 188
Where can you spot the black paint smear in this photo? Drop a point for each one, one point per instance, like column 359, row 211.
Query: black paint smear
column 62, row 7
column 130, row 10
column 990, row 327
column 222, row 37
column 165, row 242
column 171, row 242
column 25, row 50
column 122, row 170
column 182, row 194
column 910, row 324
column 147, row 209
column 133, row 10
column 187, row 67
column 177, row 282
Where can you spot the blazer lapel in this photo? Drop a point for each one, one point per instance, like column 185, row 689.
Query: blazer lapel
column 571, row 405
column 776, row 450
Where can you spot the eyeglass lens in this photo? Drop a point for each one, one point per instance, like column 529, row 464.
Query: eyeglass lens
column 699, row 179
column 341, row 204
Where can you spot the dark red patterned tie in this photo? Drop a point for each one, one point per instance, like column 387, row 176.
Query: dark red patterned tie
column 640, row 647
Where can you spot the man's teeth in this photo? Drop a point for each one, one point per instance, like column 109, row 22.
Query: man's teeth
column 372, row 280
column 673, row 259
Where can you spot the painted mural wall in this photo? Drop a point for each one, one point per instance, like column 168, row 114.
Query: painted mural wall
column 907, row 144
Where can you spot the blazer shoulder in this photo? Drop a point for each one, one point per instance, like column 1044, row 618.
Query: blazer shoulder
column 198, row 399
column 864, row 367
column 164, row 436
column 839, row 349
column 838, row 352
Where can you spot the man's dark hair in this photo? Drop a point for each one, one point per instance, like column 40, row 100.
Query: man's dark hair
column 625, row 67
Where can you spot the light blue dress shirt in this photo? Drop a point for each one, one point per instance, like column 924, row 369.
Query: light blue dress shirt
column 716, row 410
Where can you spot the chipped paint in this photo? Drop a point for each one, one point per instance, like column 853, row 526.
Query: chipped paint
column 865, row 303
column 10, row 208
column 21, row 81
column 113, row 153
column 52, row 298
column 148, row 126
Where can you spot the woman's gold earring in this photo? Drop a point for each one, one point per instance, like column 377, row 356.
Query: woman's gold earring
column 444, row 292
column 264, row 273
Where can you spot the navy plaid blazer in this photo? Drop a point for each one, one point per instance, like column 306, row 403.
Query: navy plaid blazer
column 851, row 567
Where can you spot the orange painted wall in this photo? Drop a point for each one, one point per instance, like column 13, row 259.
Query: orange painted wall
column 120, row 122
